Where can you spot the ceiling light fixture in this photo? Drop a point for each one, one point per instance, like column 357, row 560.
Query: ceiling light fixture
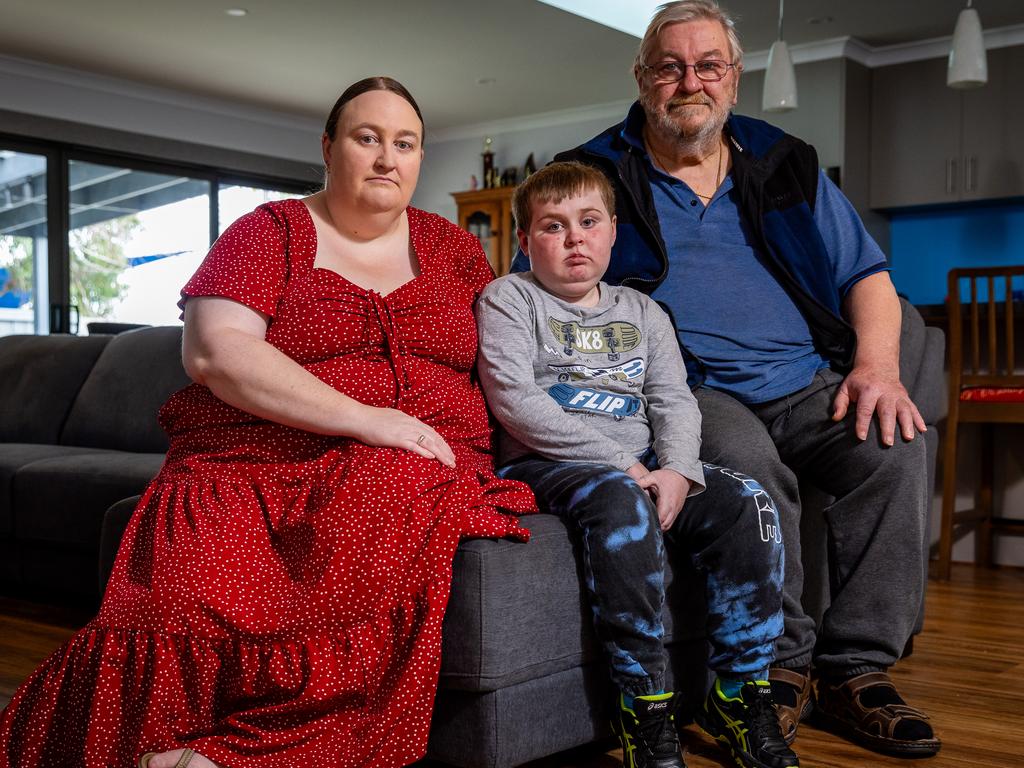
column 779, row 94
column 968, row 67
column 236, row 12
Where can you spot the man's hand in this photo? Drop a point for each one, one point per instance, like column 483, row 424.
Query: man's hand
column 874, row 383
column 668, row 489
column 873, row 392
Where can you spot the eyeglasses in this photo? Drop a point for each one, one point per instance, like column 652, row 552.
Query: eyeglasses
column 708, row 70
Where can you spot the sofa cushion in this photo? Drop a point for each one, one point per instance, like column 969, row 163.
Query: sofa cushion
column 62, row 499
column 537, row 717
column 921, row 353
column 517, row 610
column 118, row 404
column 31, row 365
column 14, row 456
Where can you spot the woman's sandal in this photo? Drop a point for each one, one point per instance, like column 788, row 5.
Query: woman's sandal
column 868, row 710
column 183, row 761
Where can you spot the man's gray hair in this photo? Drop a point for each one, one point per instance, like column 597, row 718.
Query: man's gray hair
column 683, row 11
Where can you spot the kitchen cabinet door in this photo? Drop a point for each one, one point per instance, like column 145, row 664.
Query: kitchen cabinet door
column 915, row 136
column 993, row 130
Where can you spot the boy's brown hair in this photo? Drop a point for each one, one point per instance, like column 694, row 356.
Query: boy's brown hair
column 554, row 183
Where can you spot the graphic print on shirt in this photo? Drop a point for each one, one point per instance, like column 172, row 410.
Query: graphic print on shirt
column 611, row 338
column 631, row 369
column 585, row 400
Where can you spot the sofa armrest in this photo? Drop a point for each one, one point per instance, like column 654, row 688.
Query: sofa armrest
column 115, row 520
column 922, row 353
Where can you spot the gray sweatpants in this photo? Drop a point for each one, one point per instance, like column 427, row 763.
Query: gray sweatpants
column 875, row 525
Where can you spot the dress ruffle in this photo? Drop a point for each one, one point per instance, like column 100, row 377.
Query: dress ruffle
column 322, row 671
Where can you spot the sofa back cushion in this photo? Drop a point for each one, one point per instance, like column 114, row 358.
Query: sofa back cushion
column 39, row 379
column 922, row 349
column 118, row 404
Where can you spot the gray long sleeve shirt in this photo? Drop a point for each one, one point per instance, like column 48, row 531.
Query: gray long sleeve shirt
column 599, row 384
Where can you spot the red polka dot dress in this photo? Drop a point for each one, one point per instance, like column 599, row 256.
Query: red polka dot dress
column 278, row 595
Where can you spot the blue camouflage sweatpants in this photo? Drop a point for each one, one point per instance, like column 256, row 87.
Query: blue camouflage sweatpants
column 731, row 534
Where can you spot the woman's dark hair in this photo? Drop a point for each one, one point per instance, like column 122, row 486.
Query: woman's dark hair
column 365, row 86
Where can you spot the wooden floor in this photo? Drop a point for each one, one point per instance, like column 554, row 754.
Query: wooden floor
column 967, row 672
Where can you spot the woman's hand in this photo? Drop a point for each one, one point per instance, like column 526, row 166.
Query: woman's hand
column 390, row 428
column 668, row 489
column 225, row 349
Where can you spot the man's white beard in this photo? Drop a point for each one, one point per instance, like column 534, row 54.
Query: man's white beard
column 670, row 130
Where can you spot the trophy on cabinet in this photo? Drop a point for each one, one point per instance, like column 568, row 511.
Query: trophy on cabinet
column 488, row 155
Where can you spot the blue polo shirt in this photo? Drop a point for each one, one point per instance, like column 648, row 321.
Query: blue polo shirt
column 728, row 308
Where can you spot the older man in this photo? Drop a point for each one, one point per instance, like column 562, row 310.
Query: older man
column 790, row 326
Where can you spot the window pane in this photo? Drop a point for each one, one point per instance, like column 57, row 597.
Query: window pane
column 23, row 244
column 234, row 201
column 135, row 238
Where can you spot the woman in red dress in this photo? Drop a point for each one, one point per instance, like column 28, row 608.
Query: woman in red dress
column 278, row 595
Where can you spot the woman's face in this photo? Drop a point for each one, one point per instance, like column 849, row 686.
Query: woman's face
column 374, row 160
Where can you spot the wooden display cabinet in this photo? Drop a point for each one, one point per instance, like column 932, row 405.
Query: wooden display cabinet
column 487, row 214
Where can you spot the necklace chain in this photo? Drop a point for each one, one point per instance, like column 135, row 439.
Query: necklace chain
column 718, row 173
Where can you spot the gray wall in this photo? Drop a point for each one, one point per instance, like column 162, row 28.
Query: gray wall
column 43, row 101
column 448, row 164
column 819, row 118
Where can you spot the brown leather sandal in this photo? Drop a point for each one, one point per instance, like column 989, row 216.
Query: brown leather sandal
column 791, row 716
column 183, row 761
column 847, row 707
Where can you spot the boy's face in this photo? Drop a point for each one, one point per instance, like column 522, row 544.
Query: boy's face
column 569, row 244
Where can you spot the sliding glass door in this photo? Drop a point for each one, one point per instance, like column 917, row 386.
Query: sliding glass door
column 135, row 237
column 237, row 199
column 24, row 243
column 96, row 240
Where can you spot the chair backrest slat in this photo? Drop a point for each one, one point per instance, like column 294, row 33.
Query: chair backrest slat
column 1010, row 363
column 975, row 330
column 990, row 357
column 992, row 346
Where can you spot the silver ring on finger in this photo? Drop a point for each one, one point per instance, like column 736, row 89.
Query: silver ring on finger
column 420, row 439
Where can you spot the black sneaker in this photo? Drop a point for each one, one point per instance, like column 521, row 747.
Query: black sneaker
column 647, row 732
column 748, row 725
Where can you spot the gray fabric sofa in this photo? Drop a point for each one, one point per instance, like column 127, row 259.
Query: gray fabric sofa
column 521, row 673
column 78, row 432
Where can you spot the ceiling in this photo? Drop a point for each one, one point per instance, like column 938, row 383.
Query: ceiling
column 466, row 61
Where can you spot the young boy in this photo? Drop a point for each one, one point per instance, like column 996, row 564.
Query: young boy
column 588, row 384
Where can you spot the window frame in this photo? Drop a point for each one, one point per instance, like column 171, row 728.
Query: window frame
column 58, row 201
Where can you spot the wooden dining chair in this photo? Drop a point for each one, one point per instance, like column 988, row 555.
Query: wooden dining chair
column 986, row 387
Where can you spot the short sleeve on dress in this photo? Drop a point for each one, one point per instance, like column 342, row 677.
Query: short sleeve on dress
column 476, row 270
column 248, row 263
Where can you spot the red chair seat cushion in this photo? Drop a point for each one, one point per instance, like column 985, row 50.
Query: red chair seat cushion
column 993, row 394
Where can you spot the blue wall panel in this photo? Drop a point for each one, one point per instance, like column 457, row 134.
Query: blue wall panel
column 926, row 245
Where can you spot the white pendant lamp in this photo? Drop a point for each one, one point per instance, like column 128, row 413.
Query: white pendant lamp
column 779, row 94
column 968, row 67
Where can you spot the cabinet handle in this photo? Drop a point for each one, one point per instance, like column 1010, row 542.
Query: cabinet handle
column 951, row 176
column 970, row 174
